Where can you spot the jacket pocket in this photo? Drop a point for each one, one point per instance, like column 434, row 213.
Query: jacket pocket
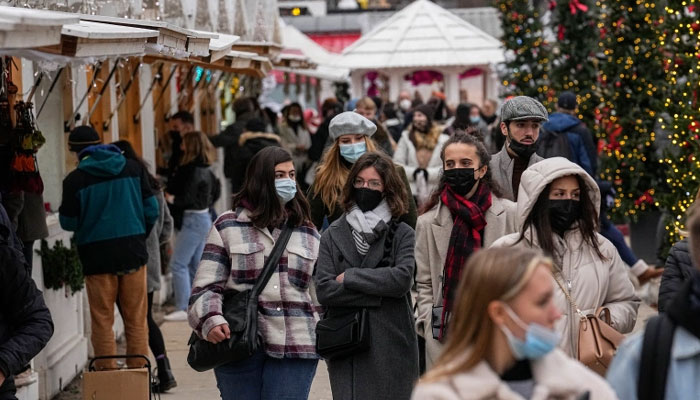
column 300, row 265
column 247, row 261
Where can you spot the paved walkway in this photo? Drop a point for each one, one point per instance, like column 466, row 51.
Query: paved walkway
column 192, row 385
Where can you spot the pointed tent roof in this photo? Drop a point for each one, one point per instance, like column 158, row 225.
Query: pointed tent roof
column 422, row 35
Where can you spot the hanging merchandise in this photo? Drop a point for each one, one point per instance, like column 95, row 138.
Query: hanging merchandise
column 26, row 141
column 5, row 112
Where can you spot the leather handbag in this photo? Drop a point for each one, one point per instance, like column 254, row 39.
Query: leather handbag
column 597, row 340
column 241, row 313
column 436, row 321
column 343, row 332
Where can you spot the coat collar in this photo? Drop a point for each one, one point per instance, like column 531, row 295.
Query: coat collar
column 243, row 215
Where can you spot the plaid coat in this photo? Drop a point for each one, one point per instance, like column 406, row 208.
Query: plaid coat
column 233, row 258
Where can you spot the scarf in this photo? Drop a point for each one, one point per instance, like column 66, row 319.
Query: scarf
column 367, row 227
column 427, row 140
column 469, row 223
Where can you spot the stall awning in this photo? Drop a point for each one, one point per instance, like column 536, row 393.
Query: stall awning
column 267, row 49
column 171, row 39
column 296, row 61
column 198, row 42
column 88, row 39
column 219, row 46
column 22, row 28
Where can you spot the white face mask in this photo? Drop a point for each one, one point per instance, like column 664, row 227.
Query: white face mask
column 405, row 104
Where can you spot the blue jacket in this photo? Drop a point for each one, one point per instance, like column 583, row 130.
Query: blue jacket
column 683, row 381
column 560, row 122
column 109, row 204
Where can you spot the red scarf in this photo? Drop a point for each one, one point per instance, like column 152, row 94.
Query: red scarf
column 469, row 224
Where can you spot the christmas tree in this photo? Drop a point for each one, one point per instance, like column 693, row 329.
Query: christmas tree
column 680, row 38
column 633, row 84
column 574, row 63
column 527, row 54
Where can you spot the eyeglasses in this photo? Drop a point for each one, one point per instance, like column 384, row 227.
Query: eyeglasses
column 373, row 184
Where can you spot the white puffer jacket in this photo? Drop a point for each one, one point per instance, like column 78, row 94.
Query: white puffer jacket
column 592, row 282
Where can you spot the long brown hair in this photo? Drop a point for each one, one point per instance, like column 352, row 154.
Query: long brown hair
column 538, row 221
column 332, row 174
column 198, row 149
column 395, row 191
column 495, row 274
column 484, row 159
column 259, row 192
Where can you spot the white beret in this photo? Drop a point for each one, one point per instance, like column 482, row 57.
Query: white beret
column 351, row 123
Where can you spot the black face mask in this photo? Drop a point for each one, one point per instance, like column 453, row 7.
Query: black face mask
column 523, row 151
column 563, row 213
column 461, row 180
column 174, row 134
column 367, row 199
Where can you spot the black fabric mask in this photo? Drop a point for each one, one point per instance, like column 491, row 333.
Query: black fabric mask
column 461, row 180
column 523, row 151
column 563, row 213
column 367, row 199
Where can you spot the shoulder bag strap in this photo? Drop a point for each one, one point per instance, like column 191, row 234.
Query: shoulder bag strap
column 655, row 358
column 272, row 261
column 568, row 297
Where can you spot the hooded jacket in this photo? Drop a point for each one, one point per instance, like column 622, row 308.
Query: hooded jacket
column 591, row 281
column 556, row 377
column 110, row 206
column 567, row 124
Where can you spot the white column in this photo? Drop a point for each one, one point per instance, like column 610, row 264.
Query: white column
column 357, row 89
column 147, row 120
column 451, row 87
column 395, row 84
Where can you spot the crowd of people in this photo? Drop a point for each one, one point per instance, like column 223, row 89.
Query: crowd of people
column 453, row 253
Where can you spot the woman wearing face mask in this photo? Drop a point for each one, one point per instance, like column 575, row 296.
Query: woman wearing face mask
column 463, row 215
column 235, row 253
column 468, row 119
column 351, row 134
column 295, row 136
column 503, row 345
column 418, row 152
column 558, row 209
column 366, row 261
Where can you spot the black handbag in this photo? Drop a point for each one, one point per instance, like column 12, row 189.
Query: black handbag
column 343, row 332
column 436, row 321
column 241, row 313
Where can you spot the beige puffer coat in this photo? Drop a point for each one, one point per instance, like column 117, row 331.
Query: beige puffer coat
column 591, row 281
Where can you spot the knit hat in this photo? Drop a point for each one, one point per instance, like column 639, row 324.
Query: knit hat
column 82, row 137
column 351, row 123
column 426, row 110
column 567, row 101
column 523, row 108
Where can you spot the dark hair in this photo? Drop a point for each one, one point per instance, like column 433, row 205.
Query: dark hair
column 184, row 116
column 538, row 219
column 243, row 105
column 395, row 191
column 389, row 110
column 258, row 191
column 484, row 159
column 129, row 153
column 286, row 110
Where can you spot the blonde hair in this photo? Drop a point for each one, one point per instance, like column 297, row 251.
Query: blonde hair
column 331, row 176
column 496, row 274
column 197, row 148
column 366, row 102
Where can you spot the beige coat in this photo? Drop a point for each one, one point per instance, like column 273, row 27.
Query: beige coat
column 433, row 231
column 556, row 376
column 501, row 167
column 592, row 282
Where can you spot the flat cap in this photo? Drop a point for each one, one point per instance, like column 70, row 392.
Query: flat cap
column 523, row 108
column 567, row 100
column 351, row 123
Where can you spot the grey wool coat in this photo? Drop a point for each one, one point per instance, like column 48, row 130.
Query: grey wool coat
column 501, row 167
column 161, row 233
column 389, row 369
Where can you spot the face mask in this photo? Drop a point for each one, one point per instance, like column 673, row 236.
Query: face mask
column 174, row 134
column 461, row 180
column 539, row 340
column 405, row 104
column 563, row 213
column 286, row 189
column 522, row 150
column 352, row 152
column 367, row 199
column 475, row 119
column 294, row 118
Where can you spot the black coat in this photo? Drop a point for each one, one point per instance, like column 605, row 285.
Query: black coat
column 25, row 322
column 678, row 269
column 195, row 187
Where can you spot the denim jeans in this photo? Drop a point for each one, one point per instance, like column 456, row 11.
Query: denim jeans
column 265, row 378
column 187, row 252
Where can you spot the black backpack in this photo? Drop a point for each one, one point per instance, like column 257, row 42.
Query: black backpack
column 553, row 144
column 655, row 358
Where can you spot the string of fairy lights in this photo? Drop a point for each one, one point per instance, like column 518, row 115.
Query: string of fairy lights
column 635, row 67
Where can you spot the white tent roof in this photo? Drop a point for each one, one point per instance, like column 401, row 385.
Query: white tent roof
column 422, row 35
column 293, row 38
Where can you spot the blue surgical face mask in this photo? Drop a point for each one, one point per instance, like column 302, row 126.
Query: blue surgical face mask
column 352, row 152
column 286, row 189
column 539, row 340
column 474, row 119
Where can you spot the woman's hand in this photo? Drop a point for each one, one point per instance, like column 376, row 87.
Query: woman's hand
column 219, row 333
column 340, row 278
column 169, row 198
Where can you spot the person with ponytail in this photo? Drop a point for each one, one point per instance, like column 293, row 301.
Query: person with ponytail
column 366, row 261
column 352, row 137
column 463, row 215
